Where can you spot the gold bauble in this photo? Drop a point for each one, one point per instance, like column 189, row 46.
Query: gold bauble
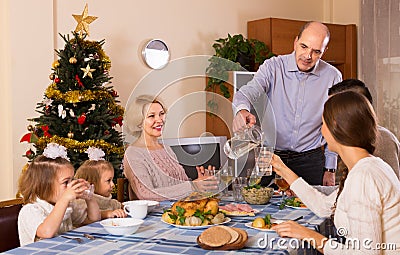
column 73, row 60
column 30, row 128
column 70, row 135
column 55, row 64
column 52, row 76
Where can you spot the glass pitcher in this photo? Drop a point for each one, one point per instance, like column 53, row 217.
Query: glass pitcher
column 244, row 141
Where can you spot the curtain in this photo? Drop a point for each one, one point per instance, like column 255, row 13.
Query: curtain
column 380, row 58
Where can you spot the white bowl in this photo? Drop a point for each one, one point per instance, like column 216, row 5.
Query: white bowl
column 150, row 204
column 121, row 226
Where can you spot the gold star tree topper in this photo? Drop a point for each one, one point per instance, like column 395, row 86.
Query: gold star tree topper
column 83, row 21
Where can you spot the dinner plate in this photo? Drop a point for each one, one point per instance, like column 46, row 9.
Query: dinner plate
column 227, row 219
column 248, row 224
column 297, row 207
column 237, row 214
column 276, row 194
column 150, row 204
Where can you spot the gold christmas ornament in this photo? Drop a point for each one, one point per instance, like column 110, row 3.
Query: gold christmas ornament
column 77, row 96
column 55, row 64
column 52, row 76
column 30, row 128
column 87, row 71
column 83, row 21
column 73, row 60
column 70, row 135
column 81, row 147
column 106, row 62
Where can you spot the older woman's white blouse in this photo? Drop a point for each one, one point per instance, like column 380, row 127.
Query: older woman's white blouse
column 368, row 209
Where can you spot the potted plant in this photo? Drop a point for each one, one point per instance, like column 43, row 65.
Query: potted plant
column 234, row 53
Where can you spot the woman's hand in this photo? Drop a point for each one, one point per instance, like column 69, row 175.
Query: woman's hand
column 207, row 184
column 291, row 229
column 203, row 173
column 280, row 168
column 295, row 230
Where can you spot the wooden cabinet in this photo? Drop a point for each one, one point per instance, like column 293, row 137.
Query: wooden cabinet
column 219, row 115
column 279, row 35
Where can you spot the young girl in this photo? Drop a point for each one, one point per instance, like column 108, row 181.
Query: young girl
column 100, row 172
column 49, row 193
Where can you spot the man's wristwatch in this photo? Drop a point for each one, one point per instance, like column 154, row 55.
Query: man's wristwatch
column 330, row 170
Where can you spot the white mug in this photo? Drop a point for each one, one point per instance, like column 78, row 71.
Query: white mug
column 137, row 209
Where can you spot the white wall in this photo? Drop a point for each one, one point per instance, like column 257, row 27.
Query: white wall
column 30, row 30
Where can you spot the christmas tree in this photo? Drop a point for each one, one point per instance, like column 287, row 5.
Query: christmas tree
column 79, row 109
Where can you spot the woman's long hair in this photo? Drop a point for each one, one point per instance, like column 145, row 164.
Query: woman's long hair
column 351, row 120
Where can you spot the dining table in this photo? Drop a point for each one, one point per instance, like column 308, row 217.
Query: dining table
column 157, row 237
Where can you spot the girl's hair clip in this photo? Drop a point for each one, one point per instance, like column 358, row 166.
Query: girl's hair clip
column 95, row 153
column 54, row 150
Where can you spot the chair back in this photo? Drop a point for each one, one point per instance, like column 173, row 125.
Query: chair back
column 9, row 211
column 122, row 189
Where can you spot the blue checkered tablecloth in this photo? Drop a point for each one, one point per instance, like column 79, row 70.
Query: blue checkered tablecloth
column 156, row 237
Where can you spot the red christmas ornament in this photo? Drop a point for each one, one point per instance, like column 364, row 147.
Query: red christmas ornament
column 82, row 119
column 79, row 81
column 29, row 154
column 106, row 132
column 45, row 131
column 114, row 93
column 57, row 80
column 118, row 120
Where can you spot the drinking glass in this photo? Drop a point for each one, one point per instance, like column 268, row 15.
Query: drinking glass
column 254, row 176
column 282, row 185
column 263, row 156
column 225, row 175
column 87, row 193
column 237, row 185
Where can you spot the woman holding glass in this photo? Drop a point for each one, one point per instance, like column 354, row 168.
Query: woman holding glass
column 367, row 206
column 152, row 168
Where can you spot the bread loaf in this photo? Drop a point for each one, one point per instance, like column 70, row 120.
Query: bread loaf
column 215, row 238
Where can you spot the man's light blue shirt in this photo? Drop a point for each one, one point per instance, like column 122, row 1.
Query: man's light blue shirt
column 297, row 99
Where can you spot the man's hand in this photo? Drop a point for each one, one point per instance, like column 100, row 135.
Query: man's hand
column 243, row 118
column 329, row 179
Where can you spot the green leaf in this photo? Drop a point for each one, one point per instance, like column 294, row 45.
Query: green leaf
column 255, row 186
column 172, row 216
column 199, row 214
column 180, row 210
column 207, row 213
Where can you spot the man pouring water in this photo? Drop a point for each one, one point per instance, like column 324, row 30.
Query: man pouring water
column 296, row 86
